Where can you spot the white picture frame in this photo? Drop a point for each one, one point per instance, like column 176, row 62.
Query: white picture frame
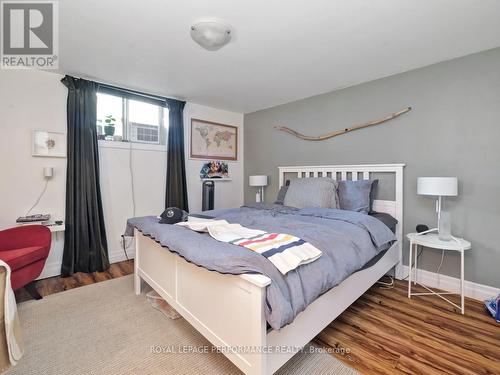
column 48, row 144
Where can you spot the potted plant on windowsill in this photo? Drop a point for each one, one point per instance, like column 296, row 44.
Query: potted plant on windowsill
column 109, row 128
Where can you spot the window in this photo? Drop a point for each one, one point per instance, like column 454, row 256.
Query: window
column 135, row 121
column 109, row 105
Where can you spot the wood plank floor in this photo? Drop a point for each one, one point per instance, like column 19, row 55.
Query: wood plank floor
column 383, row 331
column 387, row 333
column 59, row 284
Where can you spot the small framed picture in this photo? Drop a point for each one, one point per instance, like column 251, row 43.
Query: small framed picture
column 49, row 144
column 211, row 140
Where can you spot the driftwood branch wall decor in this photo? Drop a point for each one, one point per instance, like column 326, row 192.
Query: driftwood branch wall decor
column 343, row 131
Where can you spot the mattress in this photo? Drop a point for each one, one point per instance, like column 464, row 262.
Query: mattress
column 348, row 241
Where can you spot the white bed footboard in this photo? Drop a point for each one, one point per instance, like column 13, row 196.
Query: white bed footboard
column 229, row 309
column 226, row 309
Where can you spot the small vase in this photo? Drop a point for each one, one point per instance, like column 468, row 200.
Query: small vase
column 445, row 226
column 109, row 130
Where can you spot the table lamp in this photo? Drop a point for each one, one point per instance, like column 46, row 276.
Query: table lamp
column 439, row 187
column 259, row 181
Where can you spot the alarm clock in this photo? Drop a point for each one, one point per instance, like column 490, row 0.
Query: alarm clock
column 422, row 228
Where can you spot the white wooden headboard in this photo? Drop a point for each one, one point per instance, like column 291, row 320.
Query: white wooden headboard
column 354, row 173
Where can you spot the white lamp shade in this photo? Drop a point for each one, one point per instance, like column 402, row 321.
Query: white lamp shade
column 258, row 180
column 438, row 186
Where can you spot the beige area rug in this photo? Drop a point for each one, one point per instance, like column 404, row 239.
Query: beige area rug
column 105, row 329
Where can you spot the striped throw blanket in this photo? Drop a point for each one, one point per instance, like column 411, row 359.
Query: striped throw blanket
column 285, row 251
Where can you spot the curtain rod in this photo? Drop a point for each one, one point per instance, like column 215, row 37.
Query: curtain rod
column 129, row 91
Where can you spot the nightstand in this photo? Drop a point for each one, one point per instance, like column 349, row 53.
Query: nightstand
column 431, row 240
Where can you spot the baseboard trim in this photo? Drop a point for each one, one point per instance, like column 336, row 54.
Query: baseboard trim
column 431, row 279
column 54, row 268
column 116, row 256
column 472, row 290
column 50, row 270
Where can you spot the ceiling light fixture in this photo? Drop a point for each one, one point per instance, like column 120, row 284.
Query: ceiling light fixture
column 211, row 35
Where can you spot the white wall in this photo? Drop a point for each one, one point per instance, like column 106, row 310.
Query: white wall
column 227, row 193
column 149, row 164
column 37, row 100
column 30, row 100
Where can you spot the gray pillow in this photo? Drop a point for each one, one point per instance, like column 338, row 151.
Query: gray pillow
column 355, row 195
column 311, row 192
column 280, row 199
column 373, row 193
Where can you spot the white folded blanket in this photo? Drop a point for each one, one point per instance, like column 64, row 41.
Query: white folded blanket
column 12, row 325
column 285, row 251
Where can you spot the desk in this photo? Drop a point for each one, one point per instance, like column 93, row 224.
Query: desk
column 53, row 227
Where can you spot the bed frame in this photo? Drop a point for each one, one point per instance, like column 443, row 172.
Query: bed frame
column 229, row 309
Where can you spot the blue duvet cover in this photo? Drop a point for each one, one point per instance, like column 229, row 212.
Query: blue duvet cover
column 347, row 239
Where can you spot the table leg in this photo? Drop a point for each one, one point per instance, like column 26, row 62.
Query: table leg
column 410, row 270
column 415, row 265
column 462, row 299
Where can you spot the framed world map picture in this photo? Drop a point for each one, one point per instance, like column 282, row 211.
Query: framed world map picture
column 210, row 140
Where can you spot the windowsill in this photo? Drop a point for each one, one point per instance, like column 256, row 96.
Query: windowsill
column 120, row 145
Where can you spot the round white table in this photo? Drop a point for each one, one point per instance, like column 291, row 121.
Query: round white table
column 431, row 240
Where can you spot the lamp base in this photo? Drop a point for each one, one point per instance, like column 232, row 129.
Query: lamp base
column 445, row 226
column 258, row 197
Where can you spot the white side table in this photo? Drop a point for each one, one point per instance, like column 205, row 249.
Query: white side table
column 431, row 240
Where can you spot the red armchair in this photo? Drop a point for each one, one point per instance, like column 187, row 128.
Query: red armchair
column 25, row 249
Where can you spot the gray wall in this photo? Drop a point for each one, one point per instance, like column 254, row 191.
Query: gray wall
column 453, row 130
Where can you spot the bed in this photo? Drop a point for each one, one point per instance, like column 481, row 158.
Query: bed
column 229, row 310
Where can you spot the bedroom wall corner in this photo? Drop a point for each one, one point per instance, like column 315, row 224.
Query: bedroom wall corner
column 453, row 130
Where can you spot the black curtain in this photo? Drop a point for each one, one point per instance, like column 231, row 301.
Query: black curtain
column 85, row 245
column 176, row 191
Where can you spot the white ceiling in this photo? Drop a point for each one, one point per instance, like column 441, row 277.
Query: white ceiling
column 281, row 50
